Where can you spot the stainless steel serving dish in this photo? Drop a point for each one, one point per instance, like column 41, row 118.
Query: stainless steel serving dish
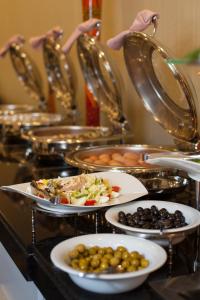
column 15, row 125
column 61, row 139
column 11, row 109
column 155, row 178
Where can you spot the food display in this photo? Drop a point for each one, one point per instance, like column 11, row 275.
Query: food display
column 152, row 218
column 106, row 259
column 117, row 158
column 77, row 190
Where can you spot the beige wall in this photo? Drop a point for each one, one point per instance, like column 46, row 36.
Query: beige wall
column 179, row 30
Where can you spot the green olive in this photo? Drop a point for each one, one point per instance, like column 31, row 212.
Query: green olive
column 125, row 264
column 134, row 255
column 80, row 248
column 121, row 249
column 98, row 259
column 108, row 256
column 120, row 269
column 109, row 250
column 131, row 269
column 101, row 251
column 114, row 261
column 125, row 255
column 104, row 266
column 144, row 263
column 83, row 264
column 118, row 254
column 95, row 263
column 135, row 263
column 92, row 250
column 73, row 254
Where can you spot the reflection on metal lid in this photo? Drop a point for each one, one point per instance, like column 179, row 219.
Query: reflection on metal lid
column 164, row 89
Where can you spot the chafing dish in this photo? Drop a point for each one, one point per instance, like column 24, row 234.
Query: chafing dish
column 11, row 109
column 155, row 178
column 14, row 125
column 59, row 139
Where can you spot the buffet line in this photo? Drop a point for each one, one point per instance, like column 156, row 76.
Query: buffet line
column 112, row 170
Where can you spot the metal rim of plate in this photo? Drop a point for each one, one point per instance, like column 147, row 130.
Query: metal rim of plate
column 179, row 119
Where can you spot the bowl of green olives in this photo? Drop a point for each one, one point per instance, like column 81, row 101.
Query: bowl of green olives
column 160, row 221
column 108, row 263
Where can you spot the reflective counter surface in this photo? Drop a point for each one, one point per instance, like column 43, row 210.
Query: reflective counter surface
column 29, row 235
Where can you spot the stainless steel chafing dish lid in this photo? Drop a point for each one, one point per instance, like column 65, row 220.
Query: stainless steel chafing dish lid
column 163, row 87
column 101, row 76
column 68, row 134
column 11, row 109
column 27, row 73
column 61, row 73
column 77, row 158
column 26, row 120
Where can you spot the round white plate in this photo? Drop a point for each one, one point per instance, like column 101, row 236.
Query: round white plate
column 192, row 216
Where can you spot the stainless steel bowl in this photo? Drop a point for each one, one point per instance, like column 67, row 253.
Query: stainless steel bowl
column 155, row 178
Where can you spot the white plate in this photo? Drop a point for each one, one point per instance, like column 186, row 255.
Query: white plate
column 109, row 283
column 131, row 189
column 177, row 161
column 192, row 216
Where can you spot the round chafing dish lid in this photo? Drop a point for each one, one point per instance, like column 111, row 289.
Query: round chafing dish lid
column 10, row 109
column 101, row 75
column 30, row 119
column 67, row 134
column 163, row 87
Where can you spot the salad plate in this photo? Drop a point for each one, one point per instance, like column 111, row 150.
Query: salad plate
column 130, row 188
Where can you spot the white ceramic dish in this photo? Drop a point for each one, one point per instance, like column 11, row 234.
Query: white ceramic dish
column 192, row 217
column 109, row 283
column 131, row 188
column 178, row 161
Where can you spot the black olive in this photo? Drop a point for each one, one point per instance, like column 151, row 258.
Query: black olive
column 153, row 208
column 121, row 214
column 147, row 211
column 139, row 209
column 128, row 215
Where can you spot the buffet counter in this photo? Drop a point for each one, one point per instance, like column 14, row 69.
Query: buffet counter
column 28, row 236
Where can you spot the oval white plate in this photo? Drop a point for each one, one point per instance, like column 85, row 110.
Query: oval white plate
column 130, row 189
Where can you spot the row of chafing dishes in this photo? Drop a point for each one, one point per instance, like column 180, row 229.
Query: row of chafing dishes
column 87, row 148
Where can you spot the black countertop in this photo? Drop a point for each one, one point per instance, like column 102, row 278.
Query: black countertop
column 32, row 253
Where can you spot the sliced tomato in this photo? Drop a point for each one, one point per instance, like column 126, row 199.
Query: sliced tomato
column 90, row 202
column 115, row 188
column 40, row 195
column 64, row 200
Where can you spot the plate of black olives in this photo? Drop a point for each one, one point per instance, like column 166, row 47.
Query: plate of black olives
column 151, row 218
